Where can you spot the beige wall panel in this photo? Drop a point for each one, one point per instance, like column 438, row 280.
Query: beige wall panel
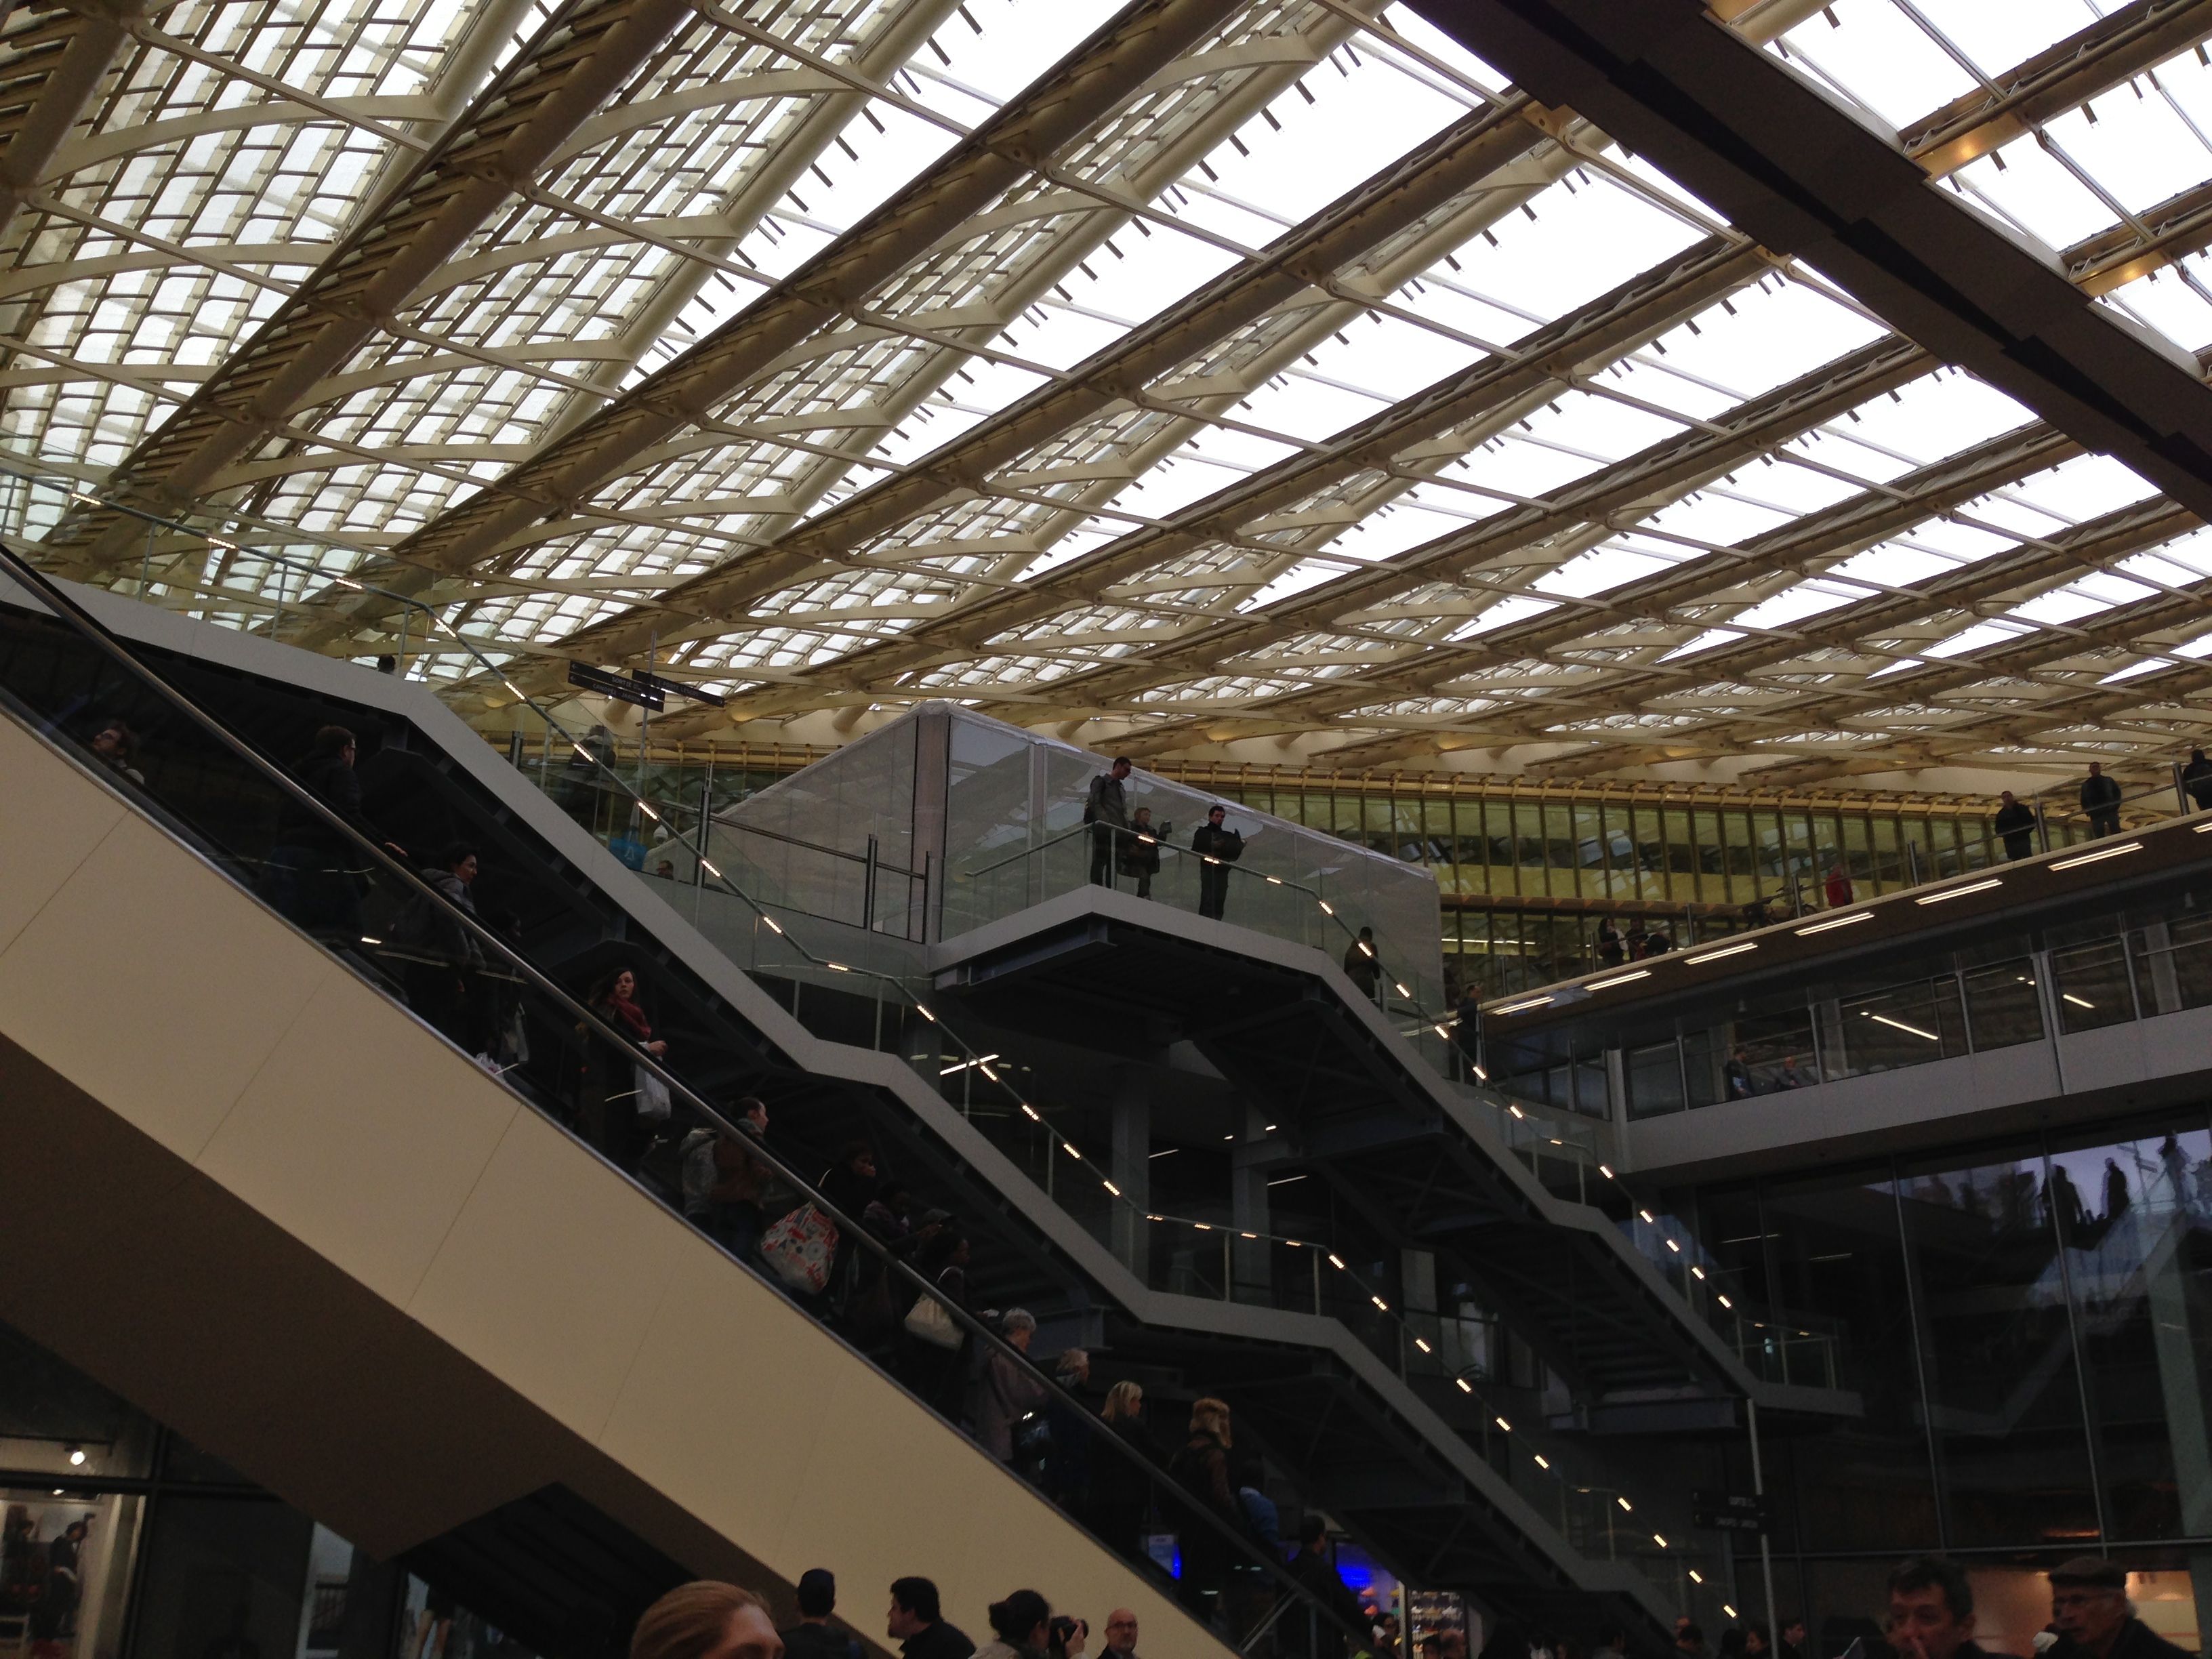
column 361, row 1135
column 718, row 1326
column 143, row 934
column 51, row 818
column 552, row 1273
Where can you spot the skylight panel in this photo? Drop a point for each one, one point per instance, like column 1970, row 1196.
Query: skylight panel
column 2165, row 303
column 1565, row 248
column 1874, row 55
column 2036, row 191
column 2086, row 487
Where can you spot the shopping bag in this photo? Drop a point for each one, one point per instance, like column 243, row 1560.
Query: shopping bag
column 800, row 1248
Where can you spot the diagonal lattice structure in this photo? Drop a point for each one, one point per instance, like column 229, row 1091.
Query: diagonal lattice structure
column 1272, row 378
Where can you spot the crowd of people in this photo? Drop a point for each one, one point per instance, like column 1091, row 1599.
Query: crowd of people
column 1929, row 1614
column 1127, row 844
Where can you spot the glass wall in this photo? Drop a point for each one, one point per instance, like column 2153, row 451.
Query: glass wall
column 119, row 1540
column 2029, row 1325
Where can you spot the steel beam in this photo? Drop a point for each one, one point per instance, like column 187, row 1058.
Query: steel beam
column 1308, row 258
column 1746, row 134
column 1058, row 109
column 52, row 59
column 579, row 60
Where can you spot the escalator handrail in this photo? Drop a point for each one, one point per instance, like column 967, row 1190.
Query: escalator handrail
column 82, row 622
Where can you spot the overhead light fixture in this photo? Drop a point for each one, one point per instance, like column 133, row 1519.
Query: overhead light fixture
column 1836, row 921
column 2101, row 853
column 1726, row 951
column 77, row 1457
column 1617, row 979
column 2079, row 1002
column 1526, row 1002
column 1898, row 1026
column 1982, row 886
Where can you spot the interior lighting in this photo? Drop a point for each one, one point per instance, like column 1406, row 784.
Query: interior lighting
column 1726, row 951
column 1541, row 1462
column 2081, row 859
column 1516, row 1007
column 1659, row 1540
column 366, row 939
column 1724, row 1302
column 2079, row 1002
column 1069, row 1147
column 1836, row 921
column 925, row 1014
column 1337, row 1262
column 1626, row 1507
column 1365, row 949
column 1504, row 1425
column 1673, row 1246
column 1605, row 1171
column 1464, row 1387
column 1202, row 1226
column 1617, row 979
column 1697, row 1577
column 1380, row 1303
column 2201, row 828
column 1898, row 1024
column 648, row 812
column 1982, row 886
column 1030, row 1112
column 77, row 1457
column 342, row 582
column 1646, row 1216
column 1400, row 990
column 839, row 967
column 1112, row 1188
column 1697, row 1273
column 1423, row 1345
column 1481, row 1074
column 1727, row 1609
column 1325, row 910
column 89, row 501
column 1273, row 881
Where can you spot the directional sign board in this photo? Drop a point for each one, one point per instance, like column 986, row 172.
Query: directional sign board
column 673, row 688
column 615, row 686
column 1731, row 1511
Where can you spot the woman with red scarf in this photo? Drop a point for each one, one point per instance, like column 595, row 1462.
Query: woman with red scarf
column 610, row 1108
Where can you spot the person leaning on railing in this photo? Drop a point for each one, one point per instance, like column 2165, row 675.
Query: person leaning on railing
column 2196, row 780
column 1219, row 847
column 1140, row 850
column 2100, row 799
column 1107, row 811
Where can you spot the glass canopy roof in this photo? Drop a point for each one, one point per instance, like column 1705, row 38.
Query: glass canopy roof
column 1262, row 379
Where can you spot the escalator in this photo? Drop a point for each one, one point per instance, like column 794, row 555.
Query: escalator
column 250, row 1190
column 1398, row 1453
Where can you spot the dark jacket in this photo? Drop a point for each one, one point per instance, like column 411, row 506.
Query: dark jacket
column 1316, row 1575
column 2099, row 792
column 1140, row 852
column 1225, row 843
column 805, row 1641
column 1201, row 1465
column 332, row 781
column 1108, row 802
column 2136, row 1640
column 2196, row 779
column 1006, row 1393
column 939, row 1641
column 1360, row 968
column 2015, row 821
column 436, row 932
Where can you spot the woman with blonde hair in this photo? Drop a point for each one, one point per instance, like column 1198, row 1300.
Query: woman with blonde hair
column 1201, row 1467
column 1121, row 1485
column 706, row 1621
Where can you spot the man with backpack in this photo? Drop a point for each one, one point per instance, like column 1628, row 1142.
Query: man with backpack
column 1107, row 812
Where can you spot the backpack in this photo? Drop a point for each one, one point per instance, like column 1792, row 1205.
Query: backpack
column 699, row 1174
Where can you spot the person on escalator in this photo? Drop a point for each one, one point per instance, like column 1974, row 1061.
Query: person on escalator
column 1316, row 1573
column 1361, row 965
column 623, row 1102
column 850, row 1185
column 116, row 747
column 1008, row 1393
column 440, row 954
column 939, row 1375
column 318, row 875
column 1201, row 1467
column 736, row 1180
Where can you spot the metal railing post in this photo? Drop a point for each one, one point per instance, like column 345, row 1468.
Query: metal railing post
column 868, row 890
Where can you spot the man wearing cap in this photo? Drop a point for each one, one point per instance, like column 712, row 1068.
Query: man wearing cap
column 813, row 1637
column 2089, row 1604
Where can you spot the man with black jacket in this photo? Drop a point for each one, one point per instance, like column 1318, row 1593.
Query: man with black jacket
column 2089, row 1604
column 917, row 1623
column 1107, row 812
column 1217, row 847
column 2014, row 825
column 2196, row 779
column 1316, row 1575
column 814, row 1636
column 2100, row 799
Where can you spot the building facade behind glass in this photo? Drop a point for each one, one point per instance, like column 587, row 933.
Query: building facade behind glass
column 122, row 1540
column 2029, row 1323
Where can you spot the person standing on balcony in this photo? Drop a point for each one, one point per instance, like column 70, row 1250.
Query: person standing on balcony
column 2100, row 799
column 1107, row 812
column 2196, row 779
column 1140, row 851
column 1219, row 846
column 1611, row 952
column 2014, row 824
column 1839, row 885
column 1360, row 965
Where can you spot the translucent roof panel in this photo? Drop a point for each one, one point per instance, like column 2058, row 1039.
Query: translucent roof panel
column 1305, row 384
